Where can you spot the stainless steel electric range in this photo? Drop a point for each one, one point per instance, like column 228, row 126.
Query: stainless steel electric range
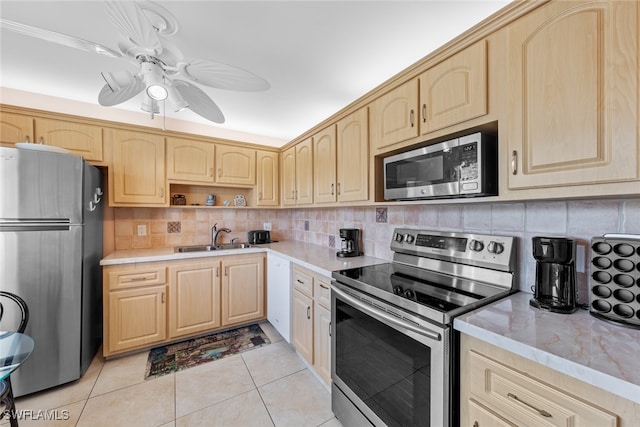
column 393, row 349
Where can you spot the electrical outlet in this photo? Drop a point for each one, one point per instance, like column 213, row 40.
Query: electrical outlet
column 142, row 230
column 267, row 226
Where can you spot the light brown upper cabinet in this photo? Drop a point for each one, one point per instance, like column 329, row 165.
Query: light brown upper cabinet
column 455, row 90
column 138, row 172
column 189, row 160
column 15, row 128
column 394, row 116
column 353, row 157
column 573, row 94
column 235, row 165
column 324, row 167
column 297, row 174
column 80, row 139
column 267, row 184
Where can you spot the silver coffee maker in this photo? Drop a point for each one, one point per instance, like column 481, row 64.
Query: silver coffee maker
column 555, row 287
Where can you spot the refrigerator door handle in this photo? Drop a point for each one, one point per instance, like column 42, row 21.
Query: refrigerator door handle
column 34, row 225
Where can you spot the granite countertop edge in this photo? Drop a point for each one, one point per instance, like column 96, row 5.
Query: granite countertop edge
column 575, row 362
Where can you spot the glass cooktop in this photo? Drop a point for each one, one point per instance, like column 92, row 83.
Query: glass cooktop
column 415, row 289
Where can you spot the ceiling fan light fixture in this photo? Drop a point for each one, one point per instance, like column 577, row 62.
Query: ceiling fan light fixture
column 150, row 105
column 177, row 101
column 156, row 88
column 157, row 92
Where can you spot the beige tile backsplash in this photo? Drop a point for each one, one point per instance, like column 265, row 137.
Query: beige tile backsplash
column 580, row 220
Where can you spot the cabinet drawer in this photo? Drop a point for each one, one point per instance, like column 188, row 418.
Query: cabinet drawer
column 322, row 292
column 134, row 278
column 303, row 282
column 527, row 402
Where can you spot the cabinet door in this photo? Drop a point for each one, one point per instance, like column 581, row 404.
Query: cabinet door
column 138, row 173
column 289, row 177
column 304, row 172
column 267, row 178
column 194, row 298
column 242, row 289
column 15, row 128
column 83, row 140
column 454, row 90
column 324, row 166
column 353, row 157
column 302, row 324
column 137, row 317
column 235, row 165
column 189, row 160
column 394, row 116
column 573, row 91
column 322, row 342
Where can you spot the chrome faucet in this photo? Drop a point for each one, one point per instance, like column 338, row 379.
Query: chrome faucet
column 214, row 233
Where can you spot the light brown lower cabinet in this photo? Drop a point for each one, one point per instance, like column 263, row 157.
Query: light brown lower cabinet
column 144, row 306
column 499, row 388
column 194, row 298
column 311, row 319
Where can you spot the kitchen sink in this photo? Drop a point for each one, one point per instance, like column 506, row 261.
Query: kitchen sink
column 205, row 248
column 233, row 245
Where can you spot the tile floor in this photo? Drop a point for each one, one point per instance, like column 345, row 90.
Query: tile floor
column 267, row 386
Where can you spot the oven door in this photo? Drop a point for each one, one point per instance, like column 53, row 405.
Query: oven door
column 386, row 371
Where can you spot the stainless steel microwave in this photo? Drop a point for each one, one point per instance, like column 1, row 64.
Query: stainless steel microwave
column 461, row 167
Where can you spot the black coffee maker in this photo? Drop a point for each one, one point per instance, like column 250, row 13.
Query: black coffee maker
column 555, row 287
column 350, row 242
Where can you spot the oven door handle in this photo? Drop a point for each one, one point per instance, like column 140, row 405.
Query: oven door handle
column 385, row 316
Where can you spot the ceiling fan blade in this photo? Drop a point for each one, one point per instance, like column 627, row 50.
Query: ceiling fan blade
column 131, row 21
column 62, row 39
column 219, row 75
column 112, row 96
column 199, row 102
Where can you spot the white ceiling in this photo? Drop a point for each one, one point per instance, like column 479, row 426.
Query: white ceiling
column 318, row 56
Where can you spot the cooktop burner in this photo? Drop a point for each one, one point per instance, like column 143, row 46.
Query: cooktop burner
column 436, row 275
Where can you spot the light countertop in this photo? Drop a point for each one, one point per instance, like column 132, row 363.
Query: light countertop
column 319, row 259
column 600, row 353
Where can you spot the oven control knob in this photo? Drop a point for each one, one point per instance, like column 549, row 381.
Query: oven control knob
column 409, row 238
column 398, row 237
column 397, row 290
column 409, row 294
column 495, row 247
column 476, row 245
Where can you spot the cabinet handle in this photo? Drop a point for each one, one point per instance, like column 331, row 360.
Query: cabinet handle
column 300, row 281
column 295, row 196
column 424, row 113
column 332, row 189
column 329, row 329
column 162, row 300
column 211, row 172
column 226, row 270
column 217, row 272
column 323, row 286
column 136, row 279
column 411, row 113
column 161, row 192
column 219, row 172
column 308, row 312
column 539, row 411
column 41, row 140
column 260, row 196
column 26, row 138
column 475, row 424
column 514, row 162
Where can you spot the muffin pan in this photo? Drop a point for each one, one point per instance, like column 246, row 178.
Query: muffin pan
column 615, row 280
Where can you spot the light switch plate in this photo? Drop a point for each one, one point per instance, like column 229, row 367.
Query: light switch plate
column 266, row 226
column 142, row 230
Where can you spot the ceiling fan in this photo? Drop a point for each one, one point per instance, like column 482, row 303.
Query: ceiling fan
column 146, row 28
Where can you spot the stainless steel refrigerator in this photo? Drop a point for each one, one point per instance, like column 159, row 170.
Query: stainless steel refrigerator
column 50, row 250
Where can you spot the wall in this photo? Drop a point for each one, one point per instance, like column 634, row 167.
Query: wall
column 580, row 220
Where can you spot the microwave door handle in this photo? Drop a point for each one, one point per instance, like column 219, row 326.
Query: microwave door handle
column 374, row 312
